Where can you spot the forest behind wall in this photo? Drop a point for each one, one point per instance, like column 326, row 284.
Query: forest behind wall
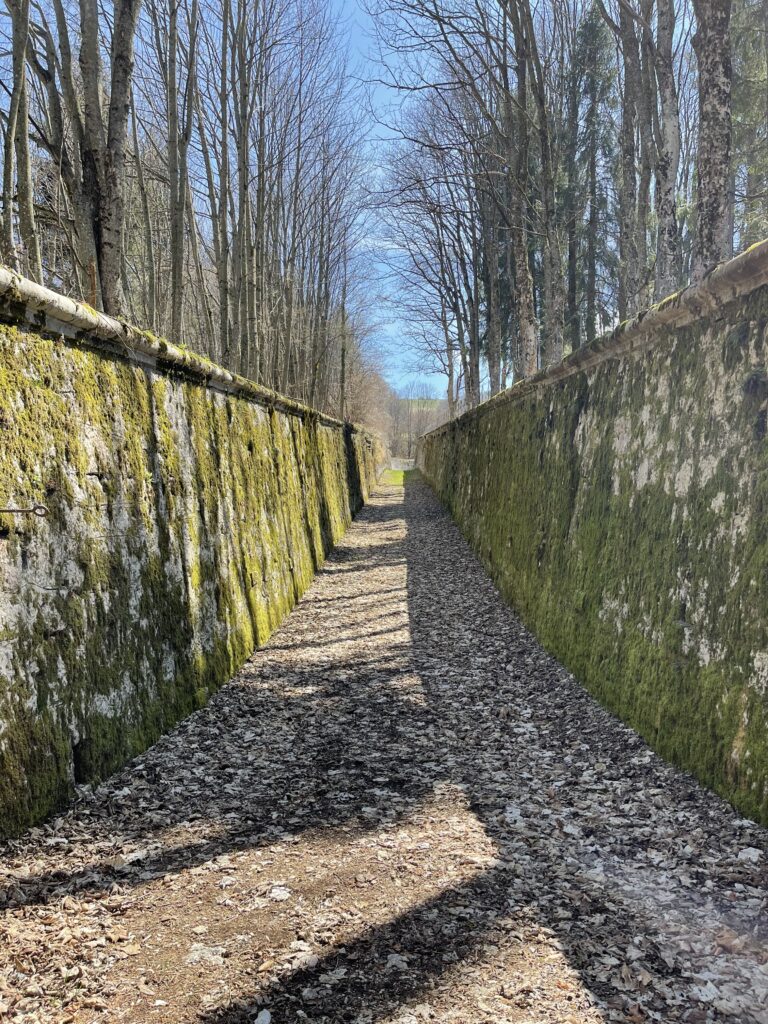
column 563, row 164
column 529, row 171
column 199, row 168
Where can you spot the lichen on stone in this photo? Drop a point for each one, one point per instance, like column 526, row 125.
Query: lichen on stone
column 623, row 512
column 184, row 524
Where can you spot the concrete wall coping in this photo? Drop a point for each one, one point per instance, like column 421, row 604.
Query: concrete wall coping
column 24, row 302
column 706, row 299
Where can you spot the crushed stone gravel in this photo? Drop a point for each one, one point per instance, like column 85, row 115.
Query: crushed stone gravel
column 401, row 810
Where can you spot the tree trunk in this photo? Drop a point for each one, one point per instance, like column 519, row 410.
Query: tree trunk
column 105, row 149
column 553, row 292
column 493, row 336
column 592, row 224
column 668, row 155
column 528, row 334
column 629, row 257
column 149, row 239
column 16, row 123
column 712, row 45
column 572, row 324
column 27, row 227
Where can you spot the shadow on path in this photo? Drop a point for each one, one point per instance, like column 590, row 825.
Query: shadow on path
column 622, row 865
column 607, row 850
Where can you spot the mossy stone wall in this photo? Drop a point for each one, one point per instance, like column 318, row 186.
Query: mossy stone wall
column 183, row 525
column 623, row 513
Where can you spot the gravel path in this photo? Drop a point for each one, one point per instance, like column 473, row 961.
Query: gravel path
column 401, row 810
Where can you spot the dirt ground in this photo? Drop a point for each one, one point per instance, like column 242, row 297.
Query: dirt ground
column 401, row 810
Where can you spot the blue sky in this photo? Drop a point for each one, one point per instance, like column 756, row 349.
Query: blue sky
column 399, row 361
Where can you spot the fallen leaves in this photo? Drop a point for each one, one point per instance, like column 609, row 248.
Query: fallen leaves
column 402, row 810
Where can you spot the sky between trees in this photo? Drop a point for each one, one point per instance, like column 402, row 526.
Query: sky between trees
column 316, row 194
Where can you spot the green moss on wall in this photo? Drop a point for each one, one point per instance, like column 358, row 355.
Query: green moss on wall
column 183, row 526
column 623, row 513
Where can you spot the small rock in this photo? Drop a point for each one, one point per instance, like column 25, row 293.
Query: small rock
column 200, row 954
column 395, row 962
column 750, row 854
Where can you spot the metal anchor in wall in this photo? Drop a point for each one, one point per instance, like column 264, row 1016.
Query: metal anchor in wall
column 36, row 510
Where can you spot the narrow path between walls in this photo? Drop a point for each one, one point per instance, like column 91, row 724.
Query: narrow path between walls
column 401, row 810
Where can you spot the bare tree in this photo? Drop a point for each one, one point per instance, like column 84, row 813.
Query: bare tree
column 713, row 201
column 203, row 167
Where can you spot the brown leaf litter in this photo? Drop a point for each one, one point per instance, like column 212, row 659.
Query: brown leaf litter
column 401, row 810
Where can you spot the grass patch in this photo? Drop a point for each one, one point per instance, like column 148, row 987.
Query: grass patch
column 398, row 477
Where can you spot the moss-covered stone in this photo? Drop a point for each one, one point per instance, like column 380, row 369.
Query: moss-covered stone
column 183, row 526
column 623, row 512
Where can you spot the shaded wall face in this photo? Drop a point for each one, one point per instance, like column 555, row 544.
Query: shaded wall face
column 183, row 525
column 623, row 512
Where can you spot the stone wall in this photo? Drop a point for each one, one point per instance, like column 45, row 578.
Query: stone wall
column 620, row 503
column 187, row 511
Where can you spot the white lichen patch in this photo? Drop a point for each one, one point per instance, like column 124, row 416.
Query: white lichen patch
column 759, row 680
column 615, row 611
column 683, row 478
